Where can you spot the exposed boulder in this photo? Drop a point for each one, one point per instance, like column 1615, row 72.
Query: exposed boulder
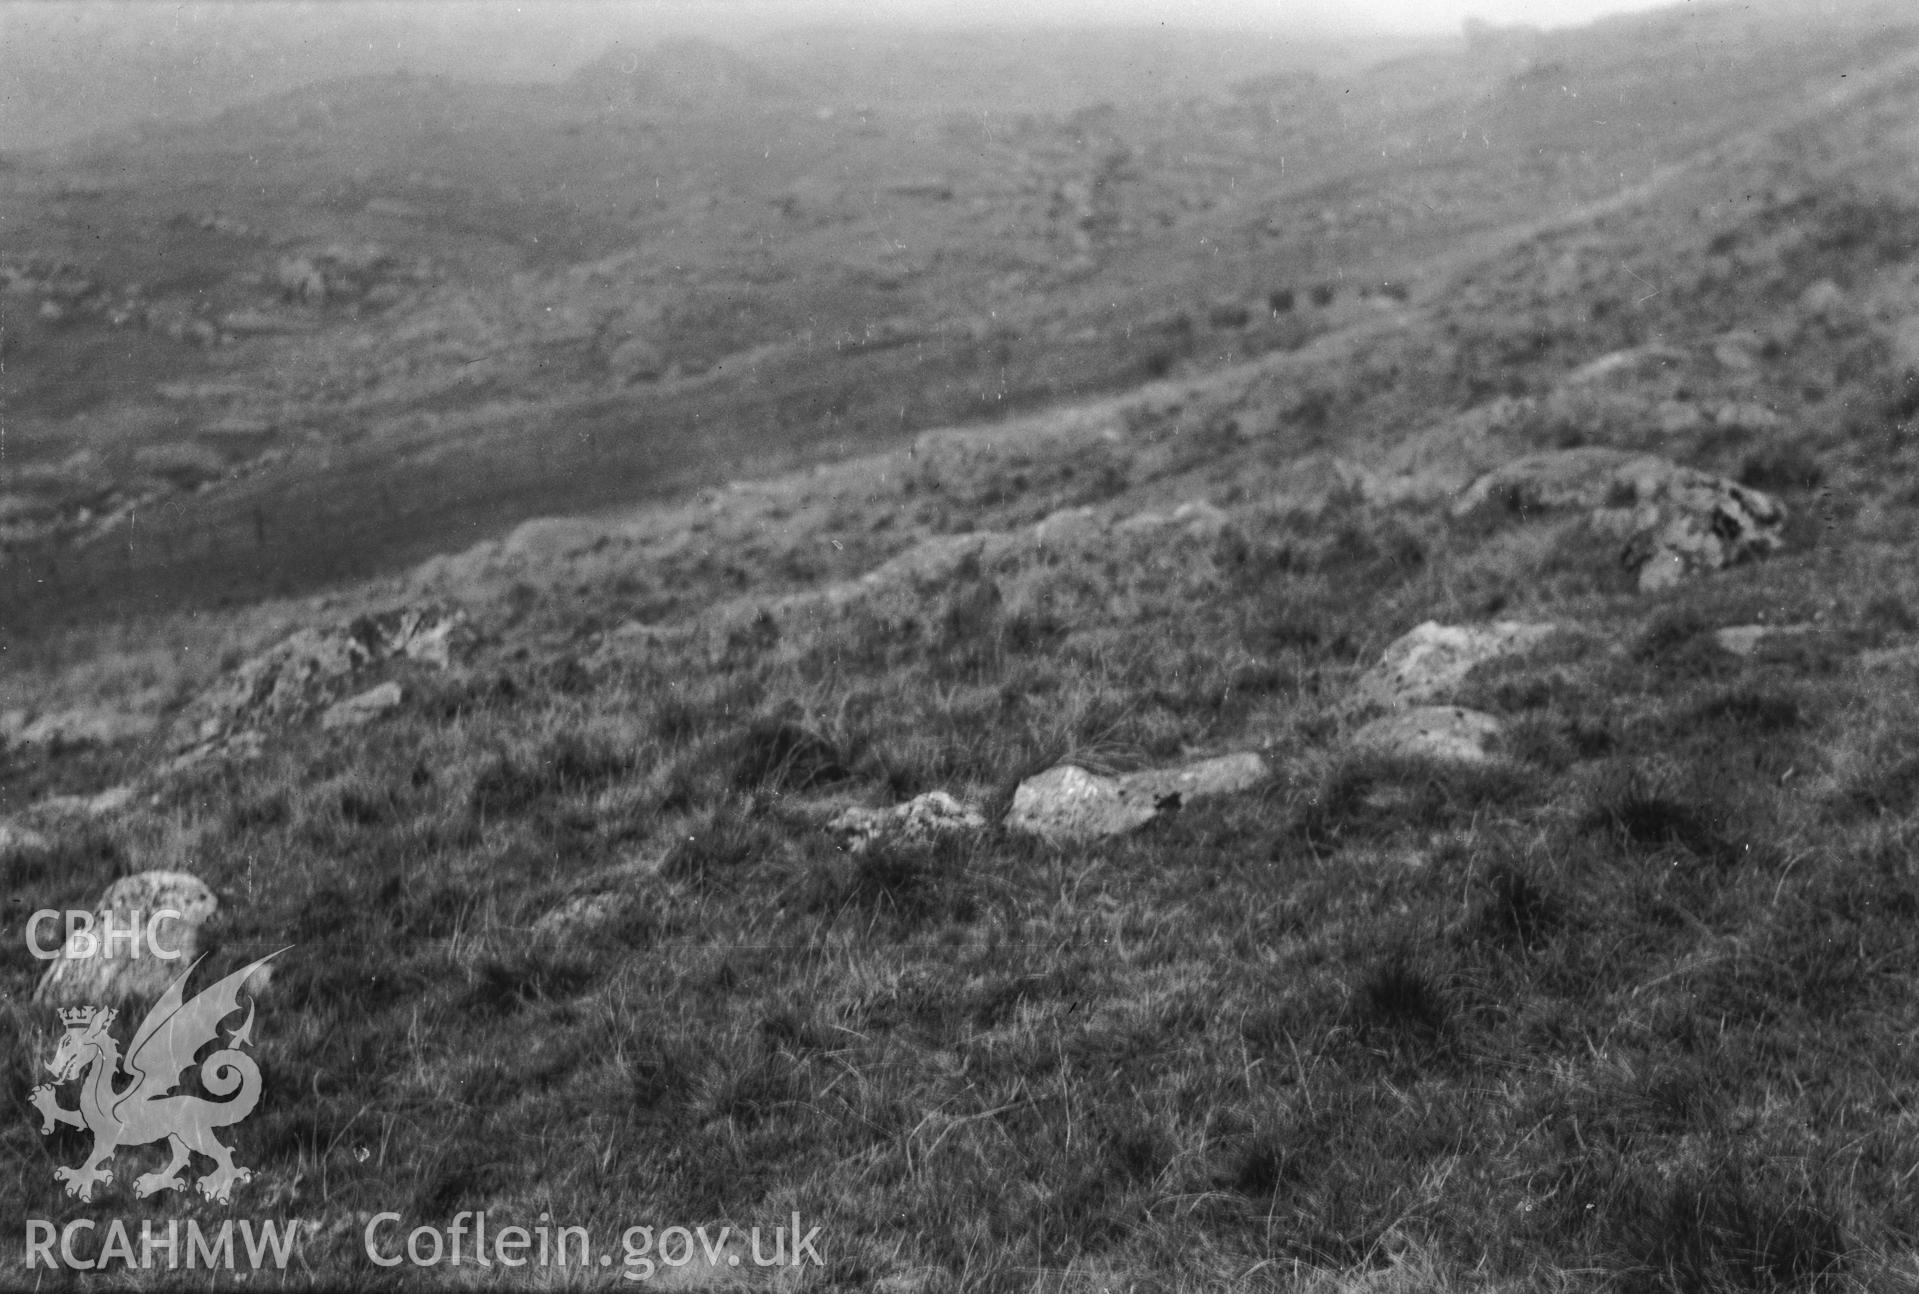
column 363, row 708
column 1738, row 351
column 1745, row 415
column 581, row 915
column 1675, row 521
column 1905, row 344
column 1197, row 518
column 1636, row 362
column 299, row 279
column 18, row 841
column 1691, row 523
column 307, row 672
column 1748, row 640
column 918, row 821
column 111, row 800
column 1445, row 733
column 91, row 974
column 1824, row 302
column 1069, row 803
column 1427, row 662
column 552, row 539
column 636, row 360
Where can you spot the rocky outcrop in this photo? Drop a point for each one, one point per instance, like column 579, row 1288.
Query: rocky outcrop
column 1068, row 803
column 1690, row 523
column 1443, row 733
column 90, row 973
column 308, row 672
column 920, row 820
column 1675, row 522
column 1427, row 662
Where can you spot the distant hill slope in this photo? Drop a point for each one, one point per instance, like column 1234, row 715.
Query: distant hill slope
column 323, row 336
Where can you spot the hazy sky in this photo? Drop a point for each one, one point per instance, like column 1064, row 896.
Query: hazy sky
column 69, row 67
column 1401, row 15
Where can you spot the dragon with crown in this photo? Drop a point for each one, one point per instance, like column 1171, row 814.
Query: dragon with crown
column 147, row 1108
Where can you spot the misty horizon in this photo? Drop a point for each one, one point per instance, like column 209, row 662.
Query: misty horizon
column 77, row 69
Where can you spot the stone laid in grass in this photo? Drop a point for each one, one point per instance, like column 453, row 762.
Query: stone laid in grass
column 1444, row 733
column 1428, row 661
column 1069, row 803
column 364, row 708
column 581, row 914
column 918, row 821
column 1747, row 640
column 1675, row 522
column 1639, row 361
column 100, row 803
column 16, row 840
column 95, row 975
column 1198, row 518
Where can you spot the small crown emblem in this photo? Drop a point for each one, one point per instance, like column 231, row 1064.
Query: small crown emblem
column 74, row 1016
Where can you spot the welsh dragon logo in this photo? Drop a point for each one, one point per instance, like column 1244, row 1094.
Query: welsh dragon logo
column 147, row 1109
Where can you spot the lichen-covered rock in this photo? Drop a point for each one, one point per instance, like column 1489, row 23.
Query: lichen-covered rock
column 1445, row 733
column 1069, row 803
column 90, row 973
column 1674, row 521
column 918, row 821
column 307, row 672
column 1690, row 523
column 1428, row 661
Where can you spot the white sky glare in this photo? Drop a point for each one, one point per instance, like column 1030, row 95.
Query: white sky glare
column 1422, row 16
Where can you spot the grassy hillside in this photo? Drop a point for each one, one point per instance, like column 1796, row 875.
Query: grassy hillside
column 503, row 301
column 1624, row 1008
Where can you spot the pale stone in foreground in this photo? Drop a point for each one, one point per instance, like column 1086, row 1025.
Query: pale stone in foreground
column 1430, row 660
column 1068, row 803
column 1445, row 733
column 109, row 980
